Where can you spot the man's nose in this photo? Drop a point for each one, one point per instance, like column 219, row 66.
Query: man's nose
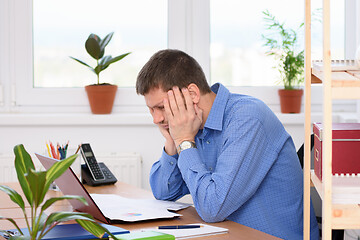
column 158, row 116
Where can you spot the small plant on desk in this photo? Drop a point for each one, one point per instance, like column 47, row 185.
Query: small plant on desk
column 35, row 185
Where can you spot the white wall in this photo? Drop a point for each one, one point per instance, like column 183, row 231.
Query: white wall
column 106, row 133
column 112, row 133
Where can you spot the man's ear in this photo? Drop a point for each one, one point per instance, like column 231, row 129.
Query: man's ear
column 194, row 92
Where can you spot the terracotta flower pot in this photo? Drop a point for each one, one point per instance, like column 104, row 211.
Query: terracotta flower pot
column 290, row 100
column 101, row 97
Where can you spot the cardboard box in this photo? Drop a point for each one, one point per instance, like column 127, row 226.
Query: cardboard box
column 345, row 148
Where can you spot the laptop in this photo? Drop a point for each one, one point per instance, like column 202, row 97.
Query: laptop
column 115, row 207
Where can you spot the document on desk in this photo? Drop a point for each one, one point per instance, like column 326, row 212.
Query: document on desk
column 116, row 207
column 204, row 230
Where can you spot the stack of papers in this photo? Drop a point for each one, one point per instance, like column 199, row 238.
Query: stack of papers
column 204, row 230
column 132, row 210
column 149, row 235
column 345, row 189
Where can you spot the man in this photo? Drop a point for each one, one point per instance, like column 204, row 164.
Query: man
column 229, row 151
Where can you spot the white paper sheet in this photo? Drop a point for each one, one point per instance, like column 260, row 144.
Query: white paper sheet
column 205, row 230
column 116, row 207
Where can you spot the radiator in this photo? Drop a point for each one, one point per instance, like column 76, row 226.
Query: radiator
column 125, row 166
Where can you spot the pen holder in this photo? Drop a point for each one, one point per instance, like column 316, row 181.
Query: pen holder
column 75, row 167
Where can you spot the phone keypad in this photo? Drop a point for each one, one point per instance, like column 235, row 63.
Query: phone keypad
column 95, row 169
column 107, row 174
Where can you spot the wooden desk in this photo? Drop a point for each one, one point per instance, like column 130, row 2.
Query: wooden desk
column 236, row 231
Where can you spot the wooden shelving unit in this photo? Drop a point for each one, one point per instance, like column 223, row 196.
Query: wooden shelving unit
column 341, row 80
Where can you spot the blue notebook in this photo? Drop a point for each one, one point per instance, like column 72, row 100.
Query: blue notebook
column 75, row 231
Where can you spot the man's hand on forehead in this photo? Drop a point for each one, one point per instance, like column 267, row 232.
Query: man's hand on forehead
column 183, row 116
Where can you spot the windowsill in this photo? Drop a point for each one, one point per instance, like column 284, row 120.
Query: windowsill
column 74, row 119
column 137, row 119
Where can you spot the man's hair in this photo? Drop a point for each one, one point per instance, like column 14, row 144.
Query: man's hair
column 168, row 68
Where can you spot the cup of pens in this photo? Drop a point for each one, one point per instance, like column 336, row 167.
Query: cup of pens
column 60, row 152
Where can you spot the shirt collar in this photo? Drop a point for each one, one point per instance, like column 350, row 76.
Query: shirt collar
column 216, row 115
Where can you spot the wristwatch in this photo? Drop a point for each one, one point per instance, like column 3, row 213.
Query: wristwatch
column 185, row 145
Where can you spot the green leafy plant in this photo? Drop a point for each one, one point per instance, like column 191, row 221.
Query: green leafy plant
column 283, row 47
column 95, row 46
column 35, row 185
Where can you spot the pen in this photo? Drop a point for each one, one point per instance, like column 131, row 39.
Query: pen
column 179, row 227
column 58, row 152
column 65, row 150
column 61, row 151
column 53, row 152
column 77, row 150
column 48, row 149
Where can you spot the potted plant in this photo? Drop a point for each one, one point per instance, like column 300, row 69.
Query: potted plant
column 101, row 95
column 290, row 62
column 35, row 185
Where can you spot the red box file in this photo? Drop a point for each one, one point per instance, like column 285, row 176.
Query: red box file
column 345, row 148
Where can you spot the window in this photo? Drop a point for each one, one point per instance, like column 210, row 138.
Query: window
column 61, row 27
column 38, row 37
column 237, row 55
column 50, row 82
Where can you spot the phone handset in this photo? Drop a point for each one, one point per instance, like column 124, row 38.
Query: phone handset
column 92, row 164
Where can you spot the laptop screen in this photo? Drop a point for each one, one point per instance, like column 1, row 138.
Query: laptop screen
column 69, row 184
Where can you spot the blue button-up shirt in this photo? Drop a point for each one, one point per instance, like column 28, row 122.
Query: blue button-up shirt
column 244, row 169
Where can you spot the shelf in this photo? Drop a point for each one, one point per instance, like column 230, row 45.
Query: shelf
column 346, row 93
column 345, row 78
column 345, row 216
column 75, row 119
column 340, row 195
column 345, row 190
column 345, row 83
column 341, row 79
column 346, row 196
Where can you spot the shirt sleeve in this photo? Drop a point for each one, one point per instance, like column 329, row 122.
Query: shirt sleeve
column 243, row 161
column 165, row 179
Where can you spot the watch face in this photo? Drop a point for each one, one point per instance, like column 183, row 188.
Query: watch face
column 186, row 144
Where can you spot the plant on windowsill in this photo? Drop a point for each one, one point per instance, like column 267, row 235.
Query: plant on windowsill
column 35, row 185
column 101, row 95
column 290, row 62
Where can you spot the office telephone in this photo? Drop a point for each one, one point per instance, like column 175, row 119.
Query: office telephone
column 92, row 172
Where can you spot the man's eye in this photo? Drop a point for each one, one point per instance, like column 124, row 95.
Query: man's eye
column 161, row 108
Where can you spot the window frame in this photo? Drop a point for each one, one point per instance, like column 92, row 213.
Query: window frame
column 188, row 30
column 27, row 98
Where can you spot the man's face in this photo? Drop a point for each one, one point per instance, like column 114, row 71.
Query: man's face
column 155, row 102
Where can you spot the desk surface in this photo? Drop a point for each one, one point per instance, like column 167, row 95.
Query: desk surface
column 236, row 231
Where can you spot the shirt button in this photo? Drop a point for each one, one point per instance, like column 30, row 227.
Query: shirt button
column 168, row 183
column 208, row 142
column 172, row 163
column 210, row 168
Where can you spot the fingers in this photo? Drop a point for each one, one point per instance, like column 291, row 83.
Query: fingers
column 168, row 110
column 178, row 103
column 173, row 99
column 188, row 100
